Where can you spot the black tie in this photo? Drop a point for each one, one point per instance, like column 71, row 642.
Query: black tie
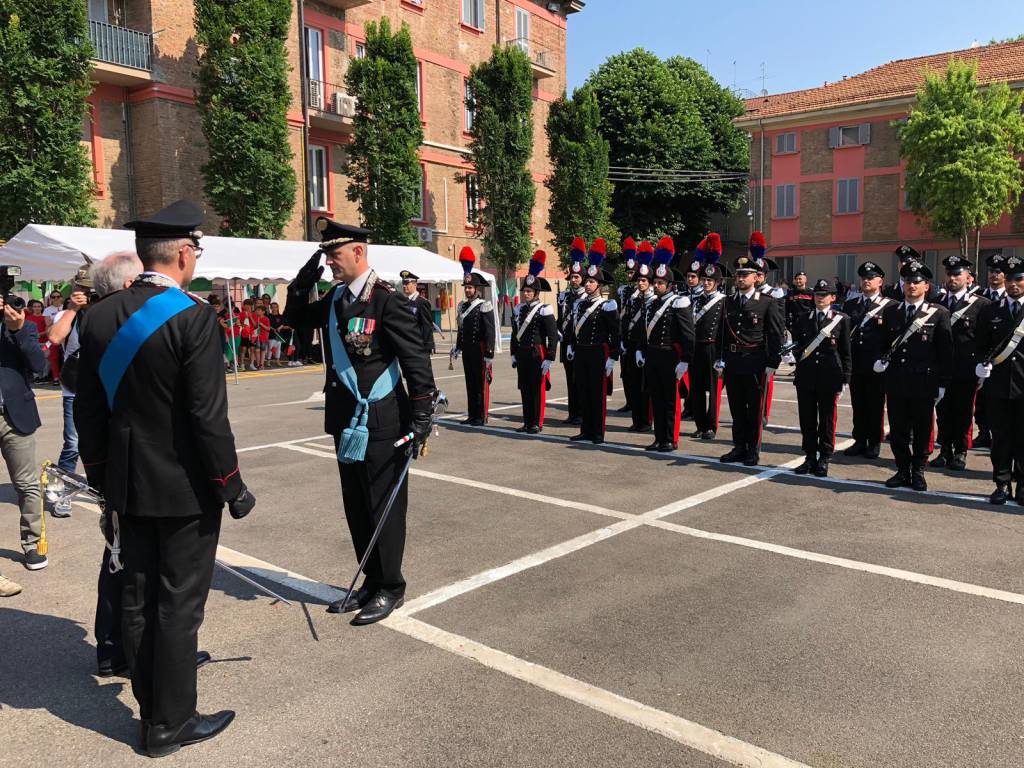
column 911, row 311
column 821, row 319
column 1015, row 309
column 346, row 297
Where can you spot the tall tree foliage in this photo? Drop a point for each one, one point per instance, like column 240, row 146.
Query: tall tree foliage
column 962, row 145
column 501, row 147
column 243, row 101
column 382, row 162
column 580, row 191
column 45, row 172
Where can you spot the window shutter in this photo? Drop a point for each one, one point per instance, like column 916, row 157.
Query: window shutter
column 865, row 133
column 780, row 143
column 833, row 137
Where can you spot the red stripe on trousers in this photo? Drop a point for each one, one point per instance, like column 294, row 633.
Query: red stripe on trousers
column 678, row 416
column 835, row 420
column 970, row 422
column 760, row 411
column 604, row 389
column 881, row 427
column 931, row 434
column 718, row 401
column 767, row 405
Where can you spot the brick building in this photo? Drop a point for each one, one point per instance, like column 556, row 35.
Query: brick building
column 827, row 179
column 147, row 146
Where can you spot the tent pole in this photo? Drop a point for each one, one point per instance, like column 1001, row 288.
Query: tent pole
column 231, row 325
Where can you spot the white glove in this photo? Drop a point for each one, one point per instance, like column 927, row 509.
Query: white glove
column 456, row 353
column 569, row 353
column 719, row 365
column 545, row 366
column 983, row 370
column 788, row 359
column 640, row 359
column 942, row 394
column 488, row 361
column 609, row 364
column 879, row 366
column 681, row 370
column 842, row 392
column 514, row 363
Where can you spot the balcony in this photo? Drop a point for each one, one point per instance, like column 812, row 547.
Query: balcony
column 346, row 5
column 542, row 62
column 121, row 56
column 330, row 107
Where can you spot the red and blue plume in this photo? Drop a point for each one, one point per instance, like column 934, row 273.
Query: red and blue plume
column 578, row 251
column 665, row 251
column 645, row 253
column 537, row 263
column 629, row 248
column 758, row 245
column 597, row 252
column 700, row 253
column 712, row 248
column 467, row 258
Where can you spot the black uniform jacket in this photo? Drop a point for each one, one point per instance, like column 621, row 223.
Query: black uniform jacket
column 924, row 362
column 799, row 301
column 673, row 329
column 708, row 327
column 566, row 301
column 166, row 450
column 633, row 307
column 424, row 315
column 754, row 334
column 395, row 336
column 995, row 326
column 965, row 335
column 830, row 365
column 600, row 327
column 476, row 327
column 541, row 332
column 20, row 357
column 867, row 336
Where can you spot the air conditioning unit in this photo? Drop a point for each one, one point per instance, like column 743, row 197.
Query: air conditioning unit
column 344, row 105
column 316, row 95
column 425, row 234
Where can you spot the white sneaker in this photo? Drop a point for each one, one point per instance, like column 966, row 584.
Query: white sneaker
column 61, row 508
column 8, row 588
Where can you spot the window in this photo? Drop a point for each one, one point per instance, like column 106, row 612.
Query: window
column 473, row 13
column 785, row 201
column 419, row 86
column 789, row 266
column 469, row 108
column 472, row 201
column 931, row 260
column 846, row 268
column 849, row 135
column 785, row 143
column 360, row 50
column 315, row 53
column 848, row 196
column 317, row 171
column 420, row 196
column 523, row 29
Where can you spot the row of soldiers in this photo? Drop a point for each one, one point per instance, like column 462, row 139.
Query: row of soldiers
column 920, row 352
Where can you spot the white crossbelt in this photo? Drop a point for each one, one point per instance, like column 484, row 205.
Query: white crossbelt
column 823, row 334
column 704, row 310
column 1012, row 344
column 916, row 326
column 579, row 323
column 657, row 315
column 870, row 315
column 956, row 317
column 472, row 305
column 527, row 321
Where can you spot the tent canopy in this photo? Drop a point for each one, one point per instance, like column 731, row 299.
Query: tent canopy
column 48, row 252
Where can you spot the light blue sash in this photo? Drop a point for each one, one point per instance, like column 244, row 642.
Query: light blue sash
column 141, row 324
column 354, row 439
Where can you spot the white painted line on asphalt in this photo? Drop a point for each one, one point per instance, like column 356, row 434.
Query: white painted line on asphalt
column 316, row 397
column 682, row 731
column 796, row 402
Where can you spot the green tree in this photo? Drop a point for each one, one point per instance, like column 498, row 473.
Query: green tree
column 243, row 101
column 382, row 162
column 962, row 145
column 501, row 147
column 580, row 191
column 45, row 172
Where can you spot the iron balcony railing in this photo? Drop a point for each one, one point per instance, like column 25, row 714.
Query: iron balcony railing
column 538, row 57
column 122, row 46
column 330, row 99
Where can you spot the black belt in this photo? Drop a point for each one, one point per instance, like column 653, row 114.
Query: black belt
column 742, row 347
column 661, row 346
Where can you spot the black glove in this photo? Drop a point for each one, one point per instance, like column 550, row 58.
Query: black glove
column 242, row 505
column 310, row 273
column 422, row 421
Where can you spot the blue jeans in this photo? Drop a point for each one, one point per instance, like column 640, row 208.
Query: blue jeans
column 69, row 454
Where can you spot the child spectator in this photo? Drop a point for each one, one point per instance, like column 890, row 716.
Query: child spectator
column 260, row 335
column 245, row 321
column 278, row 332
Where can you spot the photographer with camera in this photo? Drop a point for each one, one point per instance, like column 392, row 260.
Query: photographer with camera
column 64, row 332
column 21, row 359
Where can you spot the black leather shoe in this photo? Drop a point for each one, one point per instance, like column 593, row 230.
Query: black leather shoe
column 959, row 462
column 645, row 429
column 356, row 600
column 521, row 429
column 112, row 668
column 1000, row 494
column 736, row 454
column 161, row 741
column 1019, row 496
column 533, row 430
column 697, row 433
column 579, row 437
column 202, row 659
column 379, row 607
column 476, row 423
column 685, row 414
column 900, row 480
column 808, row 465
column 665, row 447
column 709, row 435
column 983, row 440
column 821, row 470
column 466, row 421
column 917, row 481
column 872, row 451
column 624, row 409
column 597, row 440
column 652, row 447
column 752, row 459
column 940, row 461
column 857, row 449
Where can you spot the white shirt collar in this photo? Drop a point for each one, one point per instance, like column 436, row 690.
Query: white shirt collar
column 960, row 294
column 749, row 293
column 159, row 277
column 357, row 285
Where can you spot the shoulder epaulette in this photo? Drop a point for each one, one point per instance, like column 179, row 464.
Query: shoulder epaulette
column 610, row 306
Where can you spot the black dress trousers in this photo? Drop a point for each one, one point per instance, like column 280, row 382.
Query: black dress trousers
column 475, row 371
column 663, row 390
column 705, row 388
column 746, row 403
column 867, row 398
column 591, row 389
column 531, row 384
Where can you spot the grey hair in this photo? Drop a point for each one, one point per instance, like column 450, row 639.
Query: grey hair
column 159, row 251
column 111, row 274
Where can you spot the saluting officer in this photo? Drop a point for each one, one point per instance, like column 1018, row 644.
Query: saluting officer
column 420, row 308
column 566, row 303
column 906, row 254
column 955, row 413
column 754, row 334
column 1001, row 375
column 534, row 340
column 370, row 334
column 593, row 346
column 868, row 339
column 152, row 416
column 917, row 364
column 799, row 300
column 475, row 341
column 631, row 329
column 823, row 368
column 705, row 378
column 666, row 348
column 994, row 292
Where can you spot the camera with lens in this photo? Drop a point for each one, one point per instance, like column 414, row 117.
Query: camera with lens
column 8, row 273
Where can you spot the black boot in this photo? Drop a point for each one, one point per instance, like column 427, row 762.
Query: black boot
column 1000, row 494
column 942, row 460
column 822, row 469
column 871, row 452
column 857, row 449
column 809, row 464
column 900, row 480
column 917, row 481
column 958, row 462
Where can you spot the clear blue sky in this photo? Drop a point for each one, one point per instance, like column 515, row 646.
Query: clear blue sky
column 802, row 44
